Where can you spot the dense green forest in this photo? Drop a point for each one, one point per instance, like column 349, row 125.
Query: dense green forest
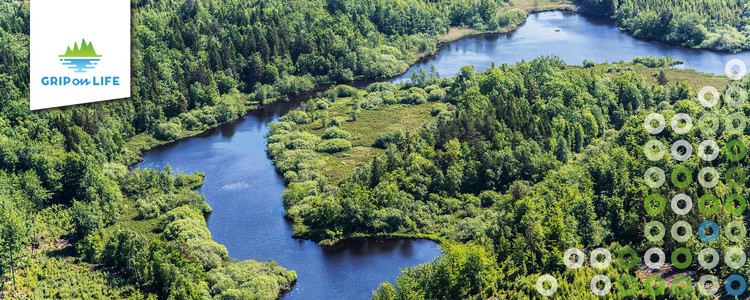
column 77, row 223
column 712, row 24
column 518, row 164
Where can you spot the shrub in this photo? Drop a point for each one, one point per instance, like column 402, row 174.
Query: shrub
column 334, row 145
column 336, row 133
column 296, row 116
column 393, row 137
column 168, row 131
column 436, row 95
column 334, row 122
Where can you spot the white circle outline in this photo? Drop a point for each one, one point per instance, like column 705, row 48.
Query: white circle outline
column 730, row 100
column 728, row 257
column 735, row 62
column 702, row 96
column 650, row 154
column 580, row 260
column 688, row 204
column 603, row 291
column 650, row 182
column 688, row 150
column 658, row 263
column 540, row 285
column 702, row 177
column 735, row 237
column 729, row 125
column 709, row 131
column 714, row 258
column 657, row 117
column 714, row 286
column 593, row 256
column 688, row 231
column 676, row 126
column 702, row 150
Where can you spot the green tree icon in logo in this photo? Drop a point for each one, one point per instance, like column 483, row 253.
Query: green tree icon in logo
column 86, row 50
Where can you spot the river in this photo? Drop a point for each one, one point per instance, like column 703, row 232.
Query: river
column 244, row 190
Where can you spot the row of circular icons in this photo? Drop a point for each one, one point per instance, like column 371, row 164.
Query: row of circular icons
column 734, row 257
column 734, row 231
column 708, row 123
column 661, row 150
column 708, row 204
column 654, row 177
column 653, row 285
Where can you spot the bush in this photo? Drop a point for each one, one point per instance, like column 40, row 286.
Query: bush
column 393, row 137
column 334, row 145
column 436, row 95
column 296, row 116
column 334, row 122
column 336, row 133
column 168, row 131
column 380, row 87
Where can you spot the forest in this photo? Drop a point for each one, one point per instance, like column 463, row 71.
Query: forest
column 76, row 222
column 722, row 25
column 516, row 165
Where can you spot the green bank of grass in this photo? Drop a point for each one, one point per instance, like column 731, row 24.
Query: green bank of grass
column 369, row 124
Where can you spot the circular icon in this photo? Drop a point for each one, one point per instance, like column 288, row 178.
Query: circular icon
column 604, row 290
column 714, row 96
column 654, row 264
column 654, row 117
column 729, row 257
column 688, row 204
column 729, row 150
column 728, row 96
column 715, row 204
column 739, row 128
column 594, row 256
column 714, row 258
column 702, row 150
column 634, row 258
column 688, row 150
column 648, row 150
column 654, row 290
column 655, row 237
column 650, row 209
column 714, row 231
column 540, row 285
column 633, row 285
column 676, row 233
column 688, row 177
column 729, row 204
column 682, row 285
column 729, row 179
column 579, row 258
column 705, row 279
column 676, row 255
column 735, row 291
column 702, row 177
column 676, row 123
column 703, row 122
column 729, row 69
column 741, row 231
column 648, row 177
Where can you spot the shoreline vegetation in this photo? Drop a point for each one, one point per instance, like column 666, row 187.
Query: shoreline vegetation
column 78, row 215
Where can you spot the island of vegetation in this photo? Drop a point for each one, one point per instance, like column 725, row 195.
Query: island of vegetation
column 511, row 167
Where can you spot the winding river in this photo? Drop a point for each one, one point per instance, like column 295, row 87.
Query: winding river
column 244, row 190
